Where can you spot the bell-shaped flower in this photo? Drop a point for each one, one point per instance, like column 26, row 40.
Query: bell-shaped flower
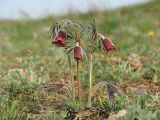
column 108, row 45
column 78, row 52
column 60, row 39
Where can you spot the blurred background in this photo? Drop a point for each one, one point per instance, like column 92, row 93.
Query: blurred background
column 18, row 9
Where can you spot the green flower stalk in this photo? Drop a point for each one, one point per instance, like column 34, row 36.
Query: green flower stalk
column 78, row 79
column 71, row 75
column 90, row 82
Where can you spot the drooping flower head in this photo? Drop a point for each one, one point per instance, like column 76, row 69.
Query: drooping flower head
column 78, row 53
column 108, row 45
column 60, row 39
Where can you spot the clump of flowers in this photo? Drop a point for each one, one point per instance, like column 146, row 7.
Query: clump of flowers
column 77, row 40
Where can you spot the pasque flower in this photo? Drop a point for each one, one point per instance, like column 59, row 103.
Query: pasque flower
column 78, row 53
column 108, row 45
column 60, row 39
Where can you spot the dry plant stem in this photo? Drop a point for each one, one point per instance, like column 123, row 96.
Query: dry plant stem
column 72, row 79
column 78, row 79
column 90, row 82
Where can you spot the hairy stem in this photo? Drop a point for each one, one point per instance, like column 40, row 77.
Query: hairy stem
column 90, row 82
column 78, row 79
column 101, row 36
column 72, row 79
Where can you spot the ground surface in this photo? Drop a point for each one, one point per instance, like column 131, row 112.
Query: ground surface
column 28, row 61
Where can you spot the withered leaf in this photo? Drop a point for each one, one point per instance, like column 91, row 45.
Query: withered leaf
column 54, row 87
column 111, row 89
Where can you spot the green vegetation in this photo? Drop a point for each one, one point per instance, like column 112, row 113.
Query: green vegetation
column 28, row 61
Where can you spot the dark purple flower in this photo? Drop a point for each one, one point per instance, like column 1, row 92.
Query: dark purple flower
column 60, row 39
column 108, row 45
column 78, row 53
